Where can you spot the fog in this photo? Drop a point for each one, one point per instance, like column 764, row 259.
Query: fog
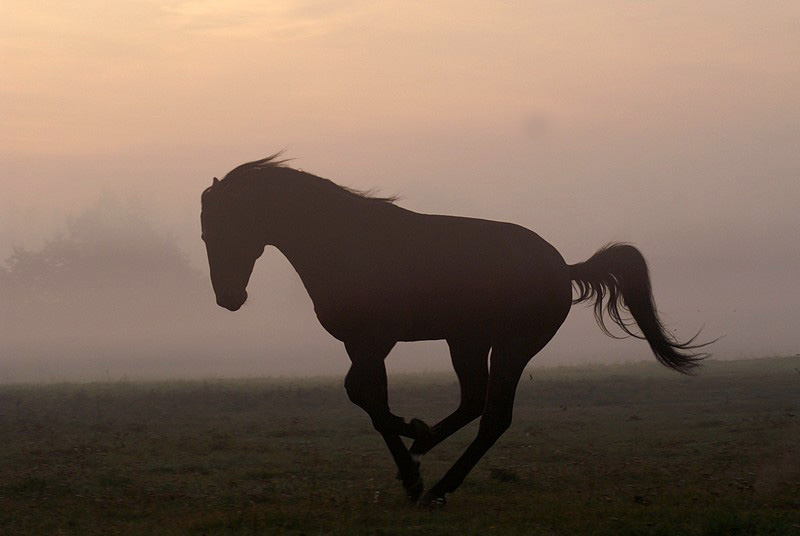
column 673, row 128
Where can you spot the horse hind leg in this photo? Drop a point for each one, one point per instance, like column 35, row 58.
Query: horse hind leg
column 366, row 386
column 470, row 360
column 507, row 363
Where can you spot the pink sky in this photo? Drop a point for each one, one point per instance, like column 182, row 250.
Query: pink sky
column 674, row 125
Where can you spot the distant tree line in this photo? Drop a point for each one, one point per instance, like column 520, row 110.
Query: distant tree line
column 108, row 254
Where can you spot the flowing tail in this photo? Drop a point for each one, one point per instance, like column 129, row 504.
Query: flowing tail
column 619, row 272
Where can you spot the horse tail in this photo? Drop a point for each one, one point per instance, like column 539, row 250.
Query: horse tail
column 619, row 272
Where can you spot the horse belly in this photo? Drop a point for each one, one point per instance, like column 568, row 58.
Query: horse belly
column 506, row 276
column 488, row 303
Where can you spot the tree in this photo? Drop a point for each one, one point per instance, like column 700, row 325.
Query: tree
column 109, row 254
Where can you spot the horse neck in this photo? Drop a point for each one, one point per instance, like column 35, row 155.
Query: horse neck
column 313, row 228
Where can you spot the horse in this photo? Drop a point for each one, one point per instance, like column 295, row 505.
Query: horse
column 378, row 274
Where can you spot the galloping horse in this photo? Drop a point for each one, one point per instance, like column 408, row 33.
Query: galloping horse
column 378, row 274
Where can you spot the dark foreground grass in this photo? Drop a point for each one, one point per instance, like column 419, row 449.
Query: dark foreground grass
column 619, row 450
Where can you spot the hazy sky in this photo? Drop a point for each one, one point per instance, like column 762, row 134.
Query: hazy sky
column 674, row 125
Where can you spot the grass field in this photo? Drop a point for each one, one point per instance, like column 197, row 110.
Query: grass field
column 596, row 450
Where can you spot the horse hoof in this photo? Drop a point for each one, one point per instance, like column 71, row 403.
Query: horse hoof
column 432, row 500
column 414, row 491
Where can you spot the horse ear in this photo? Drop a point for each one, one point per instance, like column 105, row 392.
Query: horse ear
column 215, row 182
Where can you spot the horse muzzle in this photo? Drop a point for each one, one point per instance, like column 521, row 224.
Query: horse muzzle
column 232, row 302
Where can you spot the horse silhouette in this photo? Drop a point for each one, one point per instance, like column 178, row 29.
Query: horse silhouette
column 378, row 274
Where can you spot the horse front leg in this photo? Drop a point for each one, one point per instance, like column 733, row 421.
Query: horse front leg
column 367, row 388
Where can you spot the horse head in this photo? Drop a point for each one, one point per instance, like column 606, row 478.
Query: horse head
column 233, row 241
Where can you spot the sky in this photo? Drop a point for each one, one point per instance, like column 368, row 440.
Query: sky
column 673, row 125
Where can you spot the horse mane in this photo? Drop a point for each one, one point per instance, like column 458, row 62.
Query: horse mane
column 260, row 168
column 270, row 162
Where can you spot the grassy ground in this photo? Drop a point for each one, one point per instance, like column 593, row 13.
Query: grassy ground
column 604, row 450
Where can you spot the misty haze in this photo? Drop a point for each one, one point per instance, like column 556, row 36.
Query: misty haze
column 118, row 287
